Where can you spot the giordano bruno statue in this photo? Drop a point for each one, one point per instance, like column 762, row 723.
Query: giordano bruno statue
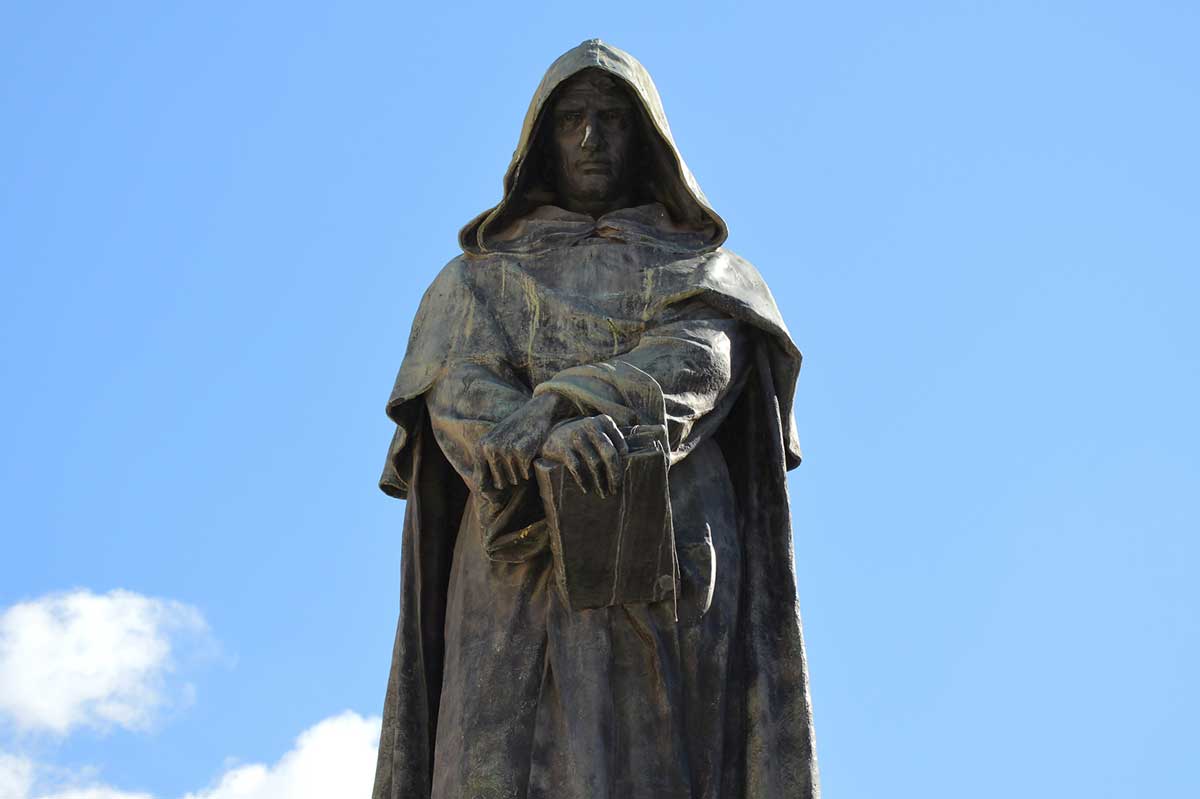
column 593, row 424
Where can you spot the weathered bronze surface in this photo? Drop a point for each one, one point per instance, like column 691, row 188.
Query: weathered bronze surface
column 593, row 423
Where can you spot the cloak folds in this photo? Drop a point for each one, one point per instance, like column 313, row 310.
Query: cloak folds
column 632, row 314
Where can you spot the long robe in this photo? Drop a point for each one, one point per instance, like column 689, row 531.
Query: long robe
column 498, row 690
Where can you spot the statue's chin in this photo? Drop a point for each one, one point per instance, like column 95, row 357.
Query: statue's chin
column 594, row 188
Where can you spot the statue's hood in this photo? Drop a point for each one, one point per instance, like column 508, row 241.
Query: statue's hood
column 673, row 184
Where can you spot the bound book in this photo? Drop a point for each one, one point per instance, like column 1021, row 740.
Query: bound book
column 619, row 549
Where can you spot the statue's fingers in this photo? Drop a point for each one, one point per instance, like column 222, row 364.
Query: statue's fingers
column 572, row 464
column 620, row 450
column 587, row 453
column 498, row 479
column 581, row 447
column 482, row 476
column 558, row 444
column 520, row 468
column 614, row 433
column 527, row 453
column 608, row 458
column 510, row 469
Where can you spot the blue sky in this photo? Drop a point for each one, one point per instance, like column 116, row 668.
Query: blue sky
column 982, row 224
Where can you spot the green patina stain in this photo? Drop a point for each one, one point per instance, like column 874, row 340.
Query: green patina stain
column 469, row 322
column 534, row 303
column 647, row 292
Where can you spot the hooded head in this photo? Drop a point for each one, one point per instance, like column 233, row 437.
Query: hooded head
column 654, row 171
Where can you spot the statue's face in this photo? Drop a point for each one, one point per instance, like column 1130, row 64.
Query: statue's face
column 593, row 138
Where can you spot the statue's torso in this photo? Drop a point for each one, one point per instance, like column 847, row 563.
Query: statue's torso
column 574, row 305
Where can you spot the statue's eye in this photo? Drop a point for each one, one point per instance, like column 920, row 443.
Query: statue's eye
column 612, row 116
column 569, row 118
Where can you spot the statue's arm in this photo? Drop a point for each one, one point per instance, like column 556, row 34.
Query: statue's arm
column 468, row 404
column 684, row 374
column 465, row 404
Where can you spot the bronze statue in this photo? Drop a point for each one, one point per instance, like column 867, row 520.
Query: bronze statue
column 593, row 423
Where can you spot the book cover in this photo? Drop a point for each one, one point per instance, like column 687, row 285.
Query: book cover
column 619, row 549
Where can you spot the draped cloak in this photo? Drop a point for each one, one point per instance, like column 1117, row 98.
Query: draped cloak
column 497, row 690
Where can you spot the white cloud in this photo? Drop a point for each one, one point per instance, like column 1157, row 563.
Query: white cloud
column 85, row 659
column 334, row 758
column 16, row 776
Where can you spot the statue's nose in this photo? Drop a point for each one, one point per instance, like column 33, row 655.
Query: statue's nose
column 591, row 137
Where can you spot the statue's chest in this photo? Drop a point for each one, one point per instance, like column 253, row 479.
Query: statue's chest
column 574, row 306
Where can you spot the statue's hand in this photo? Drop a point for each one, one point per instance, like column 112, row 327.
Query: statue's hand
column 508, row 450
column 591, row 449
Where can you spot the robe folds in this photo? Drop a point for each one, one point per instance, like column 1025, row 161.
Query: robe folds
column 497, row 689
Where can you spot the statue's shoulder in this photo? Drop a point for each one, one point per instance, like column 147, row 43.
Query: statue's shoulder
column 733, row 277
column 458, row 273
column 462, row 282
column 457, row 268
column 736, row 262
column 466, row 267
column 728, row 267
column 446, row 289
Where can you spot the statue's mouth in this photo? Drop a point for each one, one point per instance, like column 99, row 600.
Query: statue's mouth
column 595, row 167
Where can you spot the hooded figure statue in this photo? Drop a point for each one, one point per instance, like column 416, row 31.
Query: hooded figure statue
column 565, row 330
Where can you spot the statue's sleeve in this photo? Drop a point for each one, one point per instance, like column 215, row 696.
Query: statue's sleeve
column 464, row 404
column 685, row 373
